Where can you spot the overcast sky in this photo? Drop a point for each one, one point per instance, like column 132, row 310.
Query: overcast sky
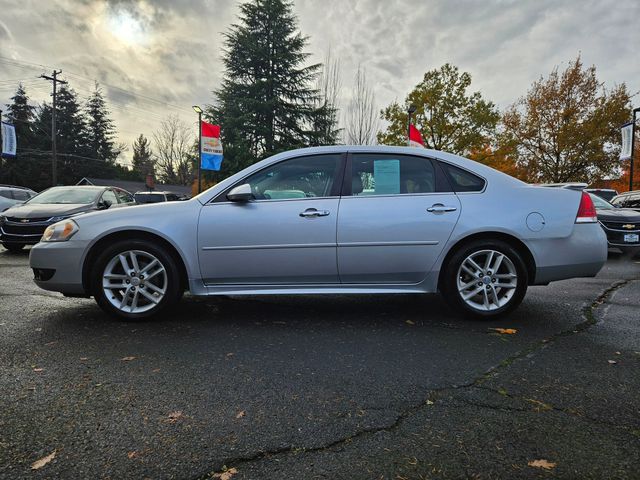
column 159, row 57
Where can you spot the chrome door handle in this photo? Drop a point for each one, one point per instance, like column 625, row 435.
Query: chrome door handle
column 440, row 208
column 312, row 212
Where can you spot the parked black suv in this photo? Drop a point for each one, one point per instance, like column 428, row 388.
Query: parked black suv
column 24, row 224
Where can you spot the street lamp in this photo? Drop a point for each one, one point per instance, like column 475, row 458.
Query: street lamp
column 198, row 110
column 411, row 110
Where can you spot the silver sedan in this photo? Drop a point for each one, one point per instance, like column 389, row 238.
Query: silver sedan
column 332, row 220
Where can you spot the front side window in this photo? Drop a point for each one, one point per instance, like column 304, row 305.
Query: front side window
column 304, row 177
column 123, row 196
column 110, row 197
column 383, row 174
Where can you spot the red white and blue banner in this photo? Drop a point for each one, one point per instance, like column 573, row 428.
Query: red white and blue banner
column 415, row 138
column 211, row 147
column 8, row 140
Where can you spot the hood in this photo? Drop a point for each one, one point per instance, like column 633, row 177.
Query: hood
column 619, row 215
column 46, row 210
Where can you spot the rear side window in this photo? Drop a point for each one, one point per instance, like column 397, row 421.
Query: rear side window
column 383, row 174
column 6, row 194
column 462, row 180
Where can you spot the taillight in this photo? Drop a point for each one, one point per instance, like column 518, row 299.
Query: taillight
column 586, row 210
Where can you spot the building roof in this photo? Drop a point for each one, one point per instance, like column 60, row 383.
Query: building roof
column 133, row 186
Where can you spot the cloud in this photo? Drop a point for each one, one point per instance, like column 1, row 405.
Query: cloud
column 170, row 50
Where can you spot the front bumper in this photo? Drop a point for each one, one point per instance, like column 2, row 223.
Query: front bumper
column 22, row 234
column 66, row 259
column 616, row 234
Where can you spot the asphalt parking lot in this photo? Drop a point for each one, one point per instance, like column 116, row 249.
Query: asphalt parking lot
column 387, row 387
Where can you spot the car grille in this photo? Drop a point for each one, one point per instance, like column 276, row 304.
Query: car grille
column 621, row 226
column 23, row 229
column 28, row 220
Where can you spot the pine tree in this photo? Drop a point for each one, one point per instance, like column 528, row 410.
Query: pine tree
column 26, row 168
column 266, row 102
column 142, row 157
column 100, row 129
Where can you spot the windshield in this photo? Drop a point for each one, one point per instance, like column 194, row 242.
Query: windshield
column 66, row 195
column 600, row 203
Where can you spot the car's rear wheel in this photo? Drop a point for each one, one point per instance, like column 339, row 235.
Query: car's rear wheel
column 485, row 278
column 13, row 247
column 135, row 280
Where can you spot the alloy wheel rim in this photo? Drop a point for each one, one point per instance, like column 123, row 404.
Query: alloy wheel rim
column 487, row 280
column 134, row 281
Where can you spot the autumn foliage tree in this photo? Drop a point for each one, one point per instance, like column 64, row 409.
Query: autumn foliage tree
column 449, row 117
column 567, row 127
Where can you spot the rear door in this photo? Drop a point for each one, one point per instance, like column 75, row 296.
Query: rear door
column 394, row 219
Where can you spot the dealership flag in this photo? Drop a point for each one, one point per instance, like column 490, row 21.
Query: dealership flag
column 8, row 140
column 627, row 132
column 415, row 139
column 211, row 147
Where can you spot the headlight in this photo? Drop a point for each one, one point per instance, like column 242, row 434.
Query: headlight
column 2, row 219
column 60, row 232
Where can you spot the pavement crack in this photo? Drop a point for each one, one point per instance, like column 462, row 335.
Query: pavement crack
column 588, row 321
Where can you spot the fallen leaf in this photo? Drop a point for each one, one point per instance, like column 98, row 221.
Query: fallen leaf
column 505, row 331
column 38, row 464
column 618, row 353
column 174, row 417
column 612, row 362
column 127, row 359
column 38, row 369
column 226, row 475
column 409, row 322
column 155, row 370
column 241, row 414
column 133, row 454
column 429, row 402
column 542, row 464
column 84, row 358
column 230, row 354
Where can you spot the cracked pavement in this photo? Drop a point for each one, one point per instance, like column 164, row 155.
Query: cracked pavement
column 323, row 387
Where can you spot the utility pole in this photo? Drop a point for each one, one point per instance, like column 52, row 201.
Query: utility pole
column 54, row 163
column 633, row 147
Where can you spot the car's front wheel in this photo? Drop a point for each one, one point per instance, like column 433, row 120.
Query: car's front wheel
column 485, row 278
column 134, row 280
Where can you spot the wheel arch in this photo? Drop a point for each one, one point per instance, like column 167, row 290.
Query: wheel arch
column 113, row 237
column 514, row 242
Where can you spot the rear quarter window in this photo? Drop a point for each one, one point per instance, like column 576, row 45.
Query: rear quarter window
column 462, row 180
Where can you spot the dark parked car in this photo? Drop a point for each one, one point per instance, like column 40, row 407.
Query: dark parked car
column 24, row 224
column 606, row 193
column 628, row 200
column 157, row 197
column 622, row 226
column 11, row 195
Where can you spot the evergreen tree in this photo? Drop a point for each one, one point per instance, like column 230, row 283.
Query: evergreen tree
column 100, row 129
column 266, row 102
column 27, row 168
column 142, row 157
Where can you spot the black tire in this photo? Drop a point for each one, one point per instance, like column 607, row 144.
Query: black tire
column 173, row 290
column 449, row 283
column 13, row 247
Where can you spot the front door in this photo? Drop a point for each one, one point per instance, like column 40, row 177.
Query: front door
column 287, row 235
column 396, row 222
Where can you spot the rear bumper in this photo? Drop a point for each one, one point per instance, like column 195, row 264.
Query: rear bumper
column 65, row 258
column 582, row 254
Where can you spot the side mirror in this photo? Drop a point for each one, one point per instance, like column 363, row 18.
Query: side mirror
column 241, row 193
